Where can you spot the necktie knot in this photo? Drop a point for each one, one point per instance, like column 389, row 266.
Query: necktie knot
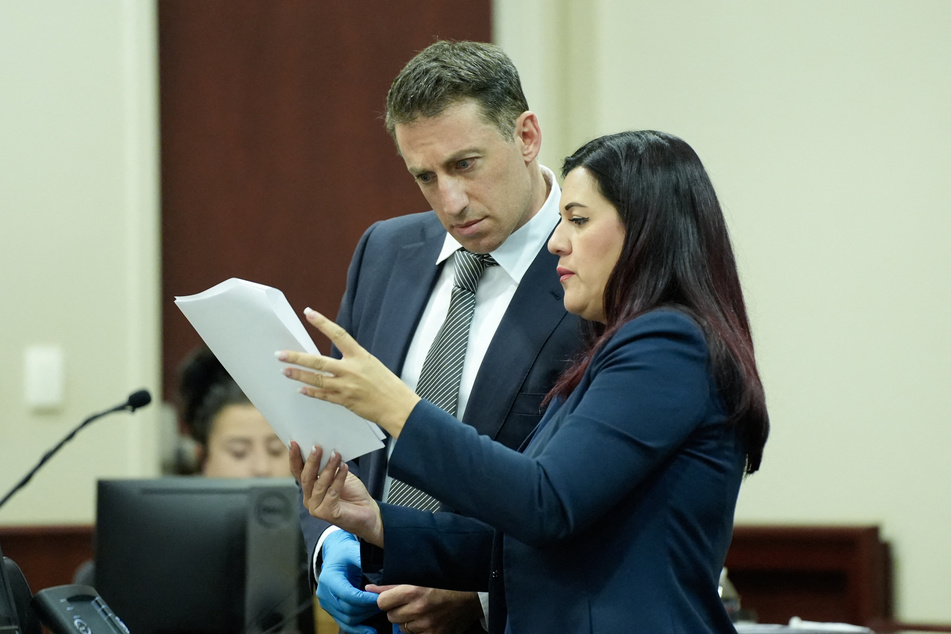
column 469, row 267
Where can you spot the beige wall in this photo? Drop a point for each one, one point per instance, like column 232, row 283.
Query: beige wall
column 826, row 126
column 78, row 244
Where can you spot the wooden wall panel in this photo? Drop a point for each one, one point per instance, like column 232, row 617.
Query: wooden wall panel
column 48, row 555
column 818, row 573
column 274, row 156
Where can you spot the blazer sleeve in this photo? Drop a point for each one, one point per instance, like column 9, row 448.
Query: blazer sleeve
column 643, row 394
column 442, row 550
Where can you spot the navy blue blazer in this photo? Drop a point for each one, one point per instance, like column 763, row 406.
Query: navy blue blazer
column 616, row 516
column 389, row 281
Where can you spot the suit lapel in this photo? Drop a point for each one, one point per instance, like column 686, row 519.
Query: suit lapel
column 535, row 311
column 410, row 283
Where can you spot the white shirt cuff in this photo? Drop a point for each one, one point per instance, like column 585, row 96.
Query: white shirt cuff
column 484, row 619
column 315, row 563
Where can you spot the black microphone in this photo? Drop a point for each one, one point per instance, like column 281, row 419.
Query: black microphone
column 136, row 400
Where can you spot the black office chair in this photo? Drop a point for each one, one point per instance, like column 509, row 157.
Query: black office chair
column 16, row 615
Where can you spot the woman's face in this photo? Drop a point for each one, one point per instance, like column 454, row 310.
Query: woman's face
column 588, row 242
column 242, row 445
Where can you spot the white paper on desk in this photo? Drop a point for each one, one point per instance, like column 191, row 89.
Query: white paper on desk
column 244, row 324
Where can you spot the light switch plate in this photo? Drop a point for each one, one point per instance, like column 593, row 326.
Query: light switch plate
column 44, row 377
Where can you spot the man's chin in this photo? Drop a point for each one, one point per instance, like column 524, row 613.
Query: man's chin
column 478, row 244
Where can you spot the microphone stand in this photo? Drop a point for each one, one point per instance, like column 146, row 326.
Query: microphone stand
column 135, row 401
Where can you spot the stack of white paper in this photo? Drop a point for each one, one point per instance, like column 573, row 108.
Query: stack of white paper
column 244, row 324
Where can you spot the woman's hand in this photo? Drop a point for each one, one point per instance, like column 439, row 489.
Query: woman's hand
column 358, row 381
column 337, row 496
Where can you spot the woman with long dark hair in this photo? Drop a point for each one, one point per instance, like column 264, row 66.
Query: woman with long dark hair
column 617, row 513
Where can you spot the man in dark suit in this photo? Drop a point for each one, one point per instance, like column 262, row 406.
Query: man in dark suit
column 463, row 128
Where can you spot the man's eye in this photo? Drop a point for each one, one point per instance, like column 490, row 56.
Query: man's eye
column 424, row 178
column 464, row 164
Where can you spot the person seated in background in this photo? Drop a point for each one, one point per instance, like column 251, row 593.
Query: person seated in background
column 617, row 513
column 233, row 438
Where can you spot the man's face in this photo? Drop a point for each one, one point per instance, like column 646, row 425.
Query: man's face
column 478, row 183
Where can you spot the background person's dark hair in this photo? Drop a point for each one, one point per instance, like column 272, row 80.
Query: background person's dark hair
column 205, row 388
column 676, row 253
column 445, row 73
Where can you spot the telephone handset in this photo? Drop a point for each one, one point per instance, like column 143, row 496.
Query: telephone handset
column 76, row 608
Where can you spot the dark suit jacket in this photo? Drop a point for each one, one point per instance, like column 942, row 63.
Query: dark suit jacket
column 388, row 284
column 617, row 515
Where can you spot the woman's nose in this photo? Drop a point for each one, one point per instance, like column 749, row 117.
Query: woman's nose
column 261, row 464
column 557, row 243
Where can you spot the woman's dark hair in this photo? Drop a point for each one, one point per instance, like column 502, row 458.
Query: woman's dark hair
column 676, row 253
column 205, row 388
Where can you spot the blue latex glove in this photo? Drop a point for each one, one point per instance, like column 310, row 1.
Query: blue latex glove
column 338, row 586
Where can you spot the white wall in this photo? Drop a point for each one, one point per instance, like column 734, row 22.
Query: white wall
column 79, row 231
column 826, row 126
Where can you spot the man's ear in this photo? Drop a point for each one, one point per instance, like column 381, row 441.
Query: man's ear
column 529, row 134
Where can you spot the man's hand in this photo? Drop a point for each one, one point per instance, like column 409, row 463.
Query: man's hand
column 428, row 610
column 338, row 586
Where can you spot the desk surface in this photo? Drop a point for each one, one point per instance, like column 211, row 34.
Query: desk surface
column 800, row 627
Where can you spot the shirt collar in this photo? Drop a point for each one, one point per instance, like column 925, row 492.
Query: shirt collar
column 517, row 253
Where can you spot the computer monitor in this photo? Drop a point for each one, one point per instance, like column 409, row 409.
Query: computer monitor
column 195, row 554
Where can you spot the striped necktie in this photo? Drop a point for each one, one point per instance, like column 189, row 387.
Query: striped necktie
column 442, row 369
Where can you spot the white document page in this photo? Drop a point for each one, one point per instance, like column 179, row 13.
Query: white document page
column 244, row 324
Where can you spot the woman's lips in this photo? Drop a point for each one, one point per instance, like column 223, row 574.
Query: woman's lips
column 563, row 273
